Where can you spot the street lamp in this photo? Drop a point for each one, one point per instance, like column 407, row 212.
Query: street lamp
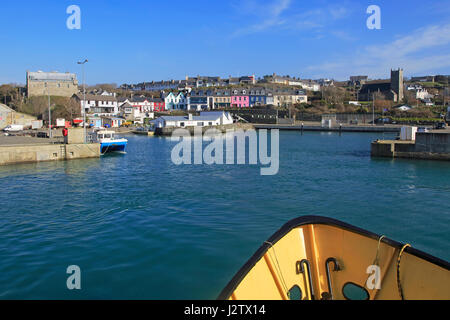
column 49, row 113
column 84, row 100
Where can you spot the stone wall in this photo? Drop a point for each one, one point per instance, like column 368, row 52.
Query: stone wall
column 75, row 135
column 431, row 146
column 9, row 116
column 433, row 142
column 48, row 152
column 55, row 88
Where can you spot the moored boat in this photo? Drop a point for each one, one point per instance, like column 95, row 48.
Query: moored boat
column 318, row 258
column 109, row 142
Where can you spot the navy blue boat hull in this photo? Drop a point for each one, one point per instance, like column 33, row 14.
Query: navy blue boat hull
column 106, row 147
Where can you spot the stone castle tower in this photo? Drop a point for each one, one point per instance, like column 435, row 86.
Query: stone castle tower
column 397, row 84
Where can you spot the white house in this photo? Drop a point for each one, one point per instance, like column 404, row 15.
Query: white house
column 423, row 94
column 133, row 112
column 98, row 105
column 413, row 87
column 137, row 109
column 206, row 119
column 310, row 86
column 141, row 103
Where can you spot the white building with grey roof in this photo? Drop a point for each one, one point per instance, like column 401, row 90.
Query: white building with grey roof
column 205, row 119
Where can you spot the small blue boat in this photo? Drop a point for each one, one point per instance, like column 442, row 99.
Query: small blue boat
column 109, row 142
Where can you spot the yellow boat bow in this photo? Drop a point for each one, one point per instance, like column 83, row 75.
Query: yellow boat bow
column 312, row 258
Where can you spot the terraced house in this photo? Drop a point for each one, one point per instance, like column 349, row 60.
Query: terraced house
column 141, row 103
column 282, row 98
column 222, row 99
column 175, row 101
column 240, row 98
column 158, row 104
column 200, row 100
column 257, row 96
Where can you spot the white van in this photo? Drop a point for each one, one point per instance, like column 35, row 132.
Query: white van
column 13, row 128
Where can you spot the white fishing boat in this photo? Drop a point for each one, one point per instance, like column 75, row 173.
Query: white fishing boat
column 109, row 142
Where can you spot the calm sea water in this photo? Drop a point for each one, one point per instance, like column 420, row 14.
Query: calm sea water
column 140, row 227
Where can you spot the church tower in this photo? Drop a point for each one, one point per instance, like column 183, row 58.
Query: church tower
column 397, row 83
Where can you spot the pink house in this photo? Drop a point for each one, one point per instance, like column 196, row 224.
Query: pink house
column 240, row 98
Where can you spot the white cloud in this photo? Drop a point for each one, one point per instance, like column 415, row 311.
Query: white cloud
column 281, row 15
column 272, row 17
column 421, row 39
column 419, row 52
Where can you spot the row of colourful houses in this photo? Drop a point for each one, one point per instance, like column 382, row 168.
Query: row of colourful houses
column 138, row 108
column 234, row 98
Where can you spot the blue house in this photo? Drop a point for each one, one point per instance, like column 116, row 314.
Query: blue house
column 257, row 97
column 199, row 100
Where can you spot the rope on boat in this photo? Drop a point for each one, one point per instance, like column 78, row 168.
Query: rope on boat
column 399, row 285
column 283, row 283
column 107, row 148
column 376, row 261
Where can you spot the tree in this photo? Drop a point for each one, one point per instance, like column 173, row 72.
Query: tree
column 7, row 93
column 333, row 95
column 67, row 108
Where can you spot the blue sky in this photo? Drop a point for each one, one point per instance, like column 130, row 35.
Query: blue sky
column 134, row 41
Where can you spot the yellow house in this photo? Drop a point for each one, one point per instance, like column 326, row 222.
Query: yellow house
column 285, row 98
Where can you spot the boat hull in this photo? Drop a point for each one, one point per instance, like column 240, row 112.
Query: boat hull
column 312, row 258
column 116, row 146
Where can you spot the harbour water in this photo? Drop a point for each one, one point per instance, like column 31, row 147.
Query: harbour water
column 140, row 227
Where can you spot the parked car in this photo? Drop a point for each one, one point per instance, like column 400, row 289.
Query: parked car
column 440, row 125
column 382, row 121
column 423, row 129
column 42, row 134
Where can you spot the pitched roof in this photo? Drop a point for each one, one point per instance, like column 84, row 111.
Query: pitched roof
column 374, row 87
column 92, row 97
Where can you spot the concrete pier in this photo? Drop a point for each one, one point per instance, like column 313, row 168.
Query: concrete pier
column 14, row 154
column 25, row 149
column 318, row 127
column 428, row 145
